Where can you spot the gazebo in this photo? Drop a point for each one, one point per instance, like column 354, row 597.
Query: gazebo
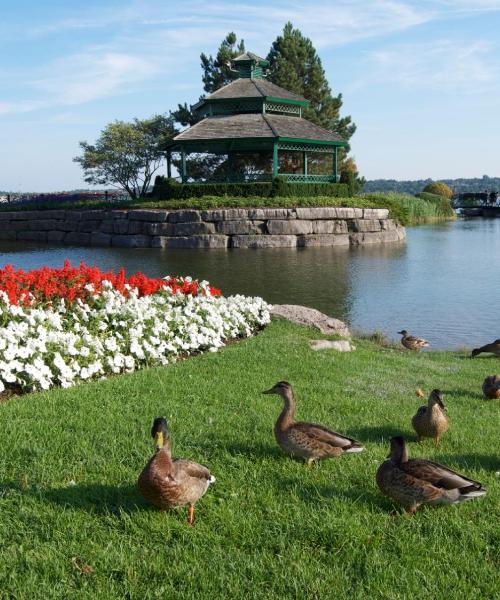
column 259, row 127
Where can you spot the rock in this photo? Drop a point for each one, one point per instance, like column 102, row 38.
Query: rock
column 322, row 239
column 187, row 229
column 89, row 226
column 240, row 227
column 92, row 215
column 303, row 315
column 51, row 214
column 98, row 238
column 377, row 237
column 225, row 214
column 263, row 241
column 42, row 224
column 340, row 345
column 152, row 216
column 55, row 236
column 135, row 227
column 184, row 216
column 77, row 238
column 194, row 241
column 8, row 235
column 349, row 213
column 375, row 213
column 120, row 226
column 20, row 215
column 33, row 236
column 362, row 225
column 263, row 214
column 291, row 227
column 325, row 226
column 388, row 224
column 131, row 241
column 320, row 212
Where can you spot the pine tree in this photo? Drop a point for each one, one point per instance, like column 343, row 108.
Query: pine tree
column 217, row 72
column 295, row 65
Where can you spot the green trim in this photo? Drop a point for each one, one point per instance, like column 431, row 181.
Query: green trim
column 286, row 101
column 335, row 164
column 306, row 141
column 275, row 159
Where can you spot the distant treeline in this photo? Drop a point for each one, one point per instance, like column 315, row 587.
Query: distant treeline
column 477, row 184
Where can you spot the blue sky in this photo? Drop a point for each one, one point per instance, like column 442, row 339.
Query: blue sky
column 421, row 79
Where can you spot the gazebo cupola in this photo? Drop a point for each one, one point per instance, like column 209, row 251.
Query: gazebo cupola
column 260, row 128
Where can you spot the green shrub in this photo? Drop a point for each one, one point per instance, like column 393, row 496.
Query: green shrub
column 442, row 203
column 413, row 210
column 169, row 189
column 439, row 188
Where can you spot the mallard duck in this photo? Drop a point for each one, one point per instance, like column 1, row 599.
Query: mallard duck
column 493, row 348
column 491, row 387
column 167, row 483
column 431, row 420
column 413, row 482
column 411, row 342
column 307, row 440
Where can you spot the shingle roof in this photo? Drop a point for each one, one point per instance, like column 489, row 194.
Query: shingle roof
column 253, row 88
column 256, row 125
column 249, row 56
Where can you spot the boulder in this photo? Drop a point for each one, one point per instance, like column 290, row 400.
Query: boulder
column 240, row 227
column 339, row 345
column 263, row 241
column 322, row 239
column 184, row 216
column 152, row 216
column 290, row 227
column 303, row 315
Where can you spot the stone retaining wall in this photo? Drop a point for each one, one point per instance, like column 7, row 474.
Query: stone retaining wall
column 215, row 228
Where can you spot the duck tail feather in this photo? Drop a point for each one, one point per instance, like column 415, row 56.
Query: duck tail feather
column 354, row 448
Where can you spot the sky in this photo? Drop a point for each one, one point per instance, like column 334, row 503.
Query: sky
column 421, row 79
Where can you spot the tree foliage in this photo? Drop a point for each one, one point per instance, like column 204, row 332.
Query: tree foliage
column 439, row 188
column 295, row 65
column 127, row 155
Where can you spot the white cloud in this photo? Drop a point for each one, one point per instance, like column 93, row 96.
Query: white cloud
column 444, row 65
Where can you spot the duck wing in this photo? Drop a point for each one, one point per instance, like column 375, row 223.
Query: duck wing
column 437, row 475
column 189, row 468
column 311, row 432
column 406, row 487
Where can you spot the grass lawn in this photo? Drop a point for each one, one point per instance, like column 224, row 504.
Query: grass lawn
column 73, row 525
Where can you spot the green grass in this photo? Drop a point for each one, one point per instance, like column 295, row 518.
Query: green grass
column 408, row 210
column 417, row 210
column 269, row 527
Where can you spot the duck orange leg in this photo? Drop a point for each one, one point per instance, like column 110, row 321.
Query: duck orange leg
column 191, row 515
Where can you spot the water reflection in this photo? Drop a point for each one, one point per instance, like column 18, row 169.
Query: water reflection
column 442, row 283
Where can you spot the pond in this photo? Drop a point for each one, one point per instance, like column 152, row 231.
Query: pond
column 442, row 283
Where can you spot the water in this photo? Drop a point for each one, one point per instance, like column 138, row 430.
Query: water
column 442, row 283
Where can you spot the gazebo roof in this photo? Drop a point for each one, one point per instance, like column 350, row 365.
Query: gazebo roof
column 257, row 125
column 253, row 88
column 249, row 56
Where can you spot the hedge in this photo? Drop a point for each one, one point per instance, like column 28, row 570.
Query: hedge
column 168, row 189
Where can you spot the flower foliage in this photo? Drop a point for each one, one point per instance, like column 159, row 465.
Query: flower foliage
column 83, row 282
column 64, row 326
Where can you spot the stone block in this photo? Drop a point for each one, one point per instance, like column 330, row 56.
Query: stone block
column 135, row 227
column 68, row 225
column 159, row 228
column 120, row 226
column 322, row 239
column 77, row 238
column 42, row 224
column 344, row 212
column 291, row 227
column 225, row 214
column 116, row 214
column 186, row 229
column 89, row 226
column 8, row 234
column 184, row 216
column 33, row 236
column 320, row 212
column 55, row 236
column 92, row 215
column 388, row 224
column 194, row 241
column 364, row 225
column 152, row 216
column 240, row 227
column 14, row 225
column 98, row 238
column 375, row 213
column 324, row 226
column 106, row 226
column 376, row 237
column 51, row 214
column 131, row 241
column 263, row 241
column 17, row 215
column 263, row 214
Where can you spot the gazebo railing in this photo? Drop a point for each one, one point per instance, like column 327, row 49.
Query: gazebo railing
column 309, row 178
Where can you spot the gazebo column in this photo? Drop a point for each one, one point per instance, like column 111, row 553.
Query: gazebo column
column 335, row 166
column 169, row 164
column 183, row 166
column 230, row 165
column 275, row 159
column 305, row 164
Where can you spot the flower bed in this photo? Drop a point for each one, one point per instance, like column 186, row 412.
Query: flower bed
column 64, row 326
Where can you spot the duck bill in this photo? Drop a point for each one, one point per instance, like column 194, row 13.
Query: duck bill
column 159, row 439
